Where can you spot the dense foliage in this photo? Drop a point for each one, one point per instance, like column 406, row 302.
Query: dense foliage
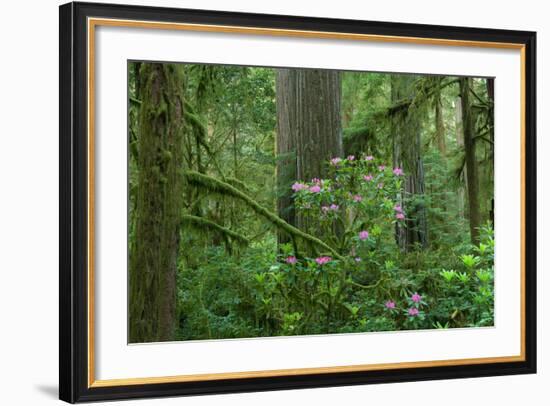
column 375, row 242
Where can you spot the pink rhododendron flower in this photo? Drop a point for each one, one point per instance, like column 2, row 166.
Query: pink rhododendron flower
column 323, row 260
column 369, row 158
column 381, row 167
column 400, row 216
column 357, row 198
column 363, row 235
column 390, row 304
column 413, row 311
column 351, row 157
column 317, row 181
column 291, row 259
column 368, row 178
column 335, row 161
column 298, row 186
column 334, row 207
column 315, row 189
column 397, row 171
column 398, row 208
column 416, row 298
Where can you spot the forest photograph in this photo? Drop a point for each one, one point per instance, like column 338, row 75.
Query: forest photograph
column 269, row 202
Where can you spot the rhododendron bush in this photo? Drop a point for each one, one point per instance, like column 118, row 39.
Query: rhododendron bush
column 356, row 210
column 355, row 206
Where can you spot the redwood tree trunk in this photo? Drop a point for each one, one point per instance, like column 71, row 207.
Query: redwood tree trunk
column 309, row 130
column 471, row 160
column 154, row 251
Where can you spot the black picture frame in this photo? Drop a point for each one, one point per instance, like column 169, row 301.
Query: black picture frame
column 73, row 255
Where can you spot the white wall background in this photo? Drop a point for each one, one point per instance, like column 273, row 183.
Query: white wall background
column 29, row 203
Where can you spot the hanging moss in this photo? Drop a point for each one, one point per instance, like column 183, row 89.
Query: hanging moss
column 217, row 186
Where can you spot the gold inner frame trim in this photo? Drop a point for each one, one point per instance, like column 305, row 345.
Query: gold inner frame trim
column 94, row 22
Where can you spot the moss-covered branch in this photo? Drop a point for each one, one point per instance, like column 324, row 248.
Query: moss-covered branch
column 201, row 133
column 205, row 223
column 426, row 91
column 239, row 184
column 217, row 186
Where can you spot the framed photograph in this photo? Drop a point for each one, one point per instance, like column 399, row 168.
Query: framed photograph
column 256, row 202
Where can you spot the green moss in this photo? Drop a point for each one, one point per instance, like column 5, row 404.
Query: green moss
column 201, row 223
column 217, row 186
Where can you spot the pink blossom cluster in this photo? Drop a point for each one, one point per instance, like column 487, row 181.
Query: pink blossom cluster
column 323, row 260
column 399, row 212
column 315, row 189
column 317, row 181
column 291, row 260
column 332, row 207
column 363, row 235
column 413, row 311
column 398, row 171
column 298, row 186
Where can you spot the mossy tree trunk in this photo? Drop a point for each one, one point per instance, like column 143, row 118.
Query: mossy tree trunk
column 285, row 94
column 407, row 147
column 490, row 84
column 154, row 253
column 472, row 176
column 460, row 144
column 309, row 130
column 439, row 122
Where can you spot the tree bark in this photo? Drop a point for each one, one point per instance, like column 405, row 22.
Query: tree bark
column 460, row 143
column 309, row 130
column 471, row 160
column 318, row 130
column 490, row 83
column 407, row 147
column 154, row 251
column 285, row 94
column 439, row 124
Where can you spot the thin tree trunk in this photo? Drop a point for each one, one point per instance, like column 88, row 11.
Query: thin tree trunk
column 471, row 160
column 154, row 252
column 285, row 92
column 490, row 83
column 440, row 125
column 460, row 143
column 407, row 147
